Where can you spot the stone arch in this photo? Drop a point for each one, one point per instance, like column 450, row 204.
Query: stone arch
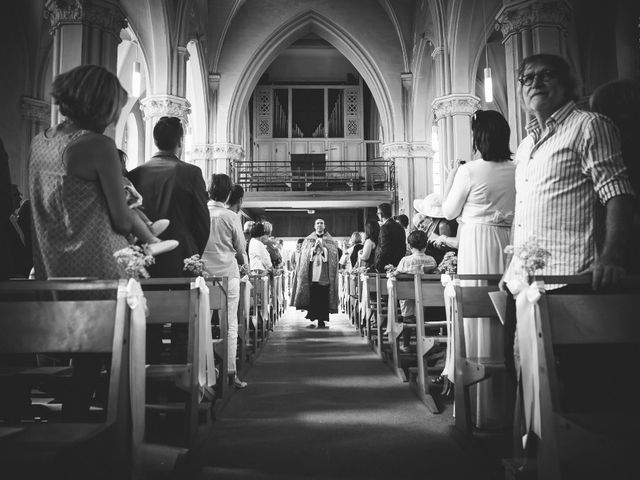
column 281, row 38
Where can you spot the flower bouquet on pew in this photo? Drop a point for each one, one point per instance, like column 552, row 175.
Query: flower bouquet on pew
column 134, row 260
column 391, row 270
column 196, row 265
column 529, row 257
column 449, row 264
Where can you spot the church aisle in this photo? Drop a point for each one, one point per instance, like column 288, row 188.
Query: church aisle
column 321, row 405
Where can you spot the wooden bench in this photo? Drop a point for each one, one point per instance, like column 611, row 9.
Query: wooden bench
column 473, row 302
column 602, row 441
column 376, row 296
column 173, row 301
column 32, row 322
column 429, row 292
column 403, row 289
column 354, row 299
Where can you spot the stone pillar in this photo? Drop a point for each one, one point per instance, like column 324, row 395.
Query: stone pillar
column 37, row 116
column 217, row 158
column 412, row 164
column 529, row 27
column 84, row 32
column 156, row 106
column 214, row 85
column 452, row 113
column 407, row 104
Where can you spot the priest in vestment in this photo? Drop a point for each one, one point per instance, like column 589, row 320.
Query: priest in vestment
column 315, row 288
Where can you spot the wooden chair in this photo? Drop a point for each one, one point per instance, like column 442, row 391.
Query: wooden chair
column 472, row 302
column 172, row 300
column 403, row 289
column 243, row 328
column 32, row 321
column 429, row 292
column 218, row 287
column 601, row 441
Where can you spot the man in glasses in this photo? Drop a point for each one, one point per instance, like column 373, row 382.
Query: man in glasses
column 569, row 162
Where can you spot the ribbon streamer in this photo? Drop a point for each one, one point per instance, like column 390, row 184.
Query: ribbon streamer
column 451, row 312
column 207, row 370
column 137, row 355
column 527, row 297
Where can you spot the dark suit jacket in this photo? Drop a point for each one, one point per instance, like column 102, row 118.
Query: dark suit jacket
column 174, row 190
column 391, row 245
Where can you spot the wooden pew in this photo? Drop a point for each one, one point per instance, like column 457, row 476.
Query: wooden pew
column 354, row 299
column 376, row 297
column 243, row 329
column 600, row 441
column 31, row 321
column 172, row 300
column 472, row 302
column 429, row 292
column 403, row 289
column 218, row 302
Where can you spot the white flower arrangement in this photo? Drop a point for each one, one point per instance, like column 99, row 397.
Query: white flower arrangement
column 195, row 265
column 134, row 260
column 531, row 256
column 449, row 264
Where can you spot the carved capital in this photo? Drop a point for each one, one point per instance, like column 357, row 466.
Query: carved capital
column 406, row 150
column 218, row 151
column 165, row 106
column 421, row 150
column 455, row 104
column 527, row 14
column 183, row 52
column 103, row 14
column 437, row 51
column 35, row 110
column 395, row 150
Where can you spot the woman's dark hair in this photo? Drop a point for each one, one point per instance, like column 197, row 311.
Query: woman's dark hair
column 403, row 220
column 220, row 187
column 559, row 66
column 491, row 133
column 372, row 230
column 257, row 230
column 90, row 96
column 237, row 192
column 418, row 239
column 123, row 161
column 168, row 133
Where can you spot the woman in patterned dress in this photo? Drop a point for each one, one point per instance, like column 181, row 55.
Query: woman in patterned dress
column 80, row 216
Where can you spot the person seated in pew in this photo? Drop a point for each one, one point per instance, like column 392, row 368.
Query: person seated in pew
column 417, row 262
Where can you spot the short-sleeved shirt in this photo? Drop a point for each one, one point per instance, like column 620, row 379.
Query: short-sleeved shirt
column 560, row 176
column 226, row 239
column 416, row 263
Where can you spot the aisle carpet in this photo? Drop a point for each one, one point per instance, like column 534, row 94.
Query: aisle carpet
column 321, row 405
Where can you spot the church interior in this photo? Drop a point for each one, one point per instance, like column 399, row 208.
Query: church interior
column 317, row 109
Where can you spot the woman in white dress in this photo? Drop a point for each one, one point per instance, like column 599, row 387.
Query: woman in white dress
column 481, row 195
column 259, row 258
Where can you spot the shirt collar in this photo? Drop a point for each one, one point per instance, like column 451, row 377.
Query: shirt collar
column 218, row 204
column 556, row 118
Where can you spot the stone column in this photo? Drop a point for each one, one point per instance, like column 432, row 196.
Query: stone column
column 37, row 116
column 214, row 85
column 217, row 158
column 453, row 113
column 529, row 27
column 412, row 163
column 84, row 32
column 156, row 106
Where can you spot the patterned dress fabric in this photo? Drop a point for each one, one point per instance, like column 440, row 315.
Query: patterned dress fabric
column 73, row 236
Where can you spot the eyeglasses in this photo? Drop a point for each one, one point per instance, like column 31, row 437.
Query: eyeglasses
column 545, row 75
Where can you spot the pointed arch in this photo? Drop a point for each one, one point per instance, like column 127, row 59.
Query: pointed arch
column 285, row 35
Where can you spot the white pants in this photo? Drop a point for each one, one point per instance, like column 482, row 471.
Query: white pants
column 233, row 299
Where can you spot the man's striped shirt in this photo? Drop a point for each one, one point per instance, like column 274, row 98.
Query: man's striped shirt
column 560, row 175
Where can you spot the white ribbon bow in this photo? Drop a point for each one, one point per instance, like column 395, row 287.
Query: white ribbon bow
column 527, row 296
column 207, row 369
column 450, row 310
column 137, row 355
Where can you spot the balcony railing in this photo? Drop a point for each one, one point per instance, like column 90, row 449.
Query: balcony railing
column 354, row 175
